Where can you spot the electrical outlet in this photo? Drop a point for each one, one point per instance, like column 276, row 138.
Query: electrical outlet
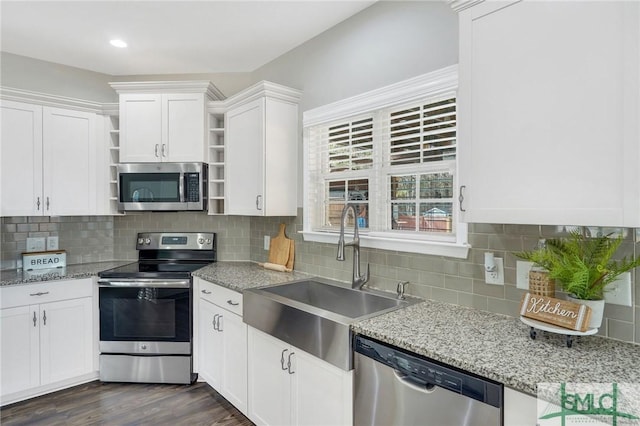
column 496, row 277
column 267, row 242
column 522, row 274
column 619, row 291
column 52, row 243
column 35, row 244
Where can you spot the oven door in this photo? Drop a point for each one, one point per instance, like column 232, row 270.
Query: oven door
column 150, row 317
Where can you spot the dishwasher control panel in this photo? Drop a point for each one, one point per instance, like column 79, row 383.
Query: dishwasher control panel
column 425, row 372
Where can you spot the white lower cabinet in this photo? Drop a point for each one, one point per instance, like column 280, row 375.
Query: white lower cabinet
column 47, row 344
column 288, row 386
column 222, row 343
column 520, row 409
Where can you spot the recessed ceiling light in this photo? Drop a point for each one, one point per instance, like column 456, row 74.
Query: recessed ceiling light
column 118, row 43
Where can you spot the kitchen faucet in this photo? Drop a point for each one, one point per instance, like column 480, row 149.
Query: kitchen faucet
column 358, row 280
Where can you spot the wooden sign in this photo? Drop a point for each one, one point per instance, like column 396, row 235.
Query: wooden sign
column 558, row 312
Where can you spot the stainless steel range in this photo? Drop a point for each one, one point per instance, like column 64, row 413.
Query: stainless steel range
column 146, row 309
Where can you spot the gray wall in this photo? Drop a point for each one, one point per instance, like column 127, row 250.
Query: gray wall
column 34, row 75
column 385, row 43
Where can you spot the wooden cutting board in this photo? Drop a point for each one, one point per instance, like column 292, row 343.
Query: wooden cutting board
column 280, row 247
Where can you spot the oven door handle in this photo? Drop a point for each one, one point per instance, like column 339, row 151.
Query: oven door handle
column 141, row 282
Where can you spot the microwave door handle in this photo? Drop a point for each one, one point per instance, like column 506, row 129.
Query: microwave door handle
column 181, row 185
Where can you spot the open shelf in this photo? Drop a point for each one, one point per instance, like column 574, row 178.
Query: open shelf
column 216, row 163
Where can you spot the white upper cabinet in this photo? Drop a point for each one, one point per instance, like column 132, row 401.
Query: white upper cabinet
column 262, row 151
column 549, row 113
column 164, row 121
column 21, row 157
column 69, row 162
column 48, row 161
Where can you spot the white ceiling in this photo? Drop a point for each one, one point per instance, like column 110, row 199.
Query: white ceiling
column 166, row 37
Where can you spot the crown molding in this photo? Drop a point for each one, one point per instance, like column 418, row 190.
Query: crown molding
column 439, row 81
column 258, row 90
column 193, row 86
column 19, row 95
column 460, row 5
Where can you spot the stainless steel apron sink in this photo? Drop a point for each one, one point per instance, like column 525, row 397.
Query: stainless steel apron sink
column 314, row 315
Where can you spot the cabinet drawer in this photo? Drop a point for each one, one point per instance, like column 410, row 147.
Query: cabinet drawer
column 51, row 291
column 221, row 296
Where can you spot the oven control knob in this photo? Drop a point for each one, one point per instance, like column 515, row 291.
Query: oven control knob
column 208, row 241
column 143, row 347
column 140, row 241
column 200, row 240
column 147, row 241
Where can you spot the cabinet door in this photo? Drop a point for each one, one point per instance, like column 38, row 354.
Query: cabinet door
column 183, row 127
column 321, row 393
column 140, row 128
column 269, row 383
column 19, row 349
column 21, row 159
column 281, row 158
column 245, row 159
column 519, row 408
column 66, row 339
column 548, row 125
column 234, row 374
column 69, row 164
column 211, row 344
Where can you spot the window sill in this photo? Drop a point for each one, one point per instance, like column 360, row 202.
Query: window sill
column 435, row 248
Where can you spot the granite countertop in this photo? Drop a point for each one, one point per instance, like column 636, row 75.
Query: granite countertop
column 499, row 347
column 494, row 346
column 84, row 270
column 240, row 276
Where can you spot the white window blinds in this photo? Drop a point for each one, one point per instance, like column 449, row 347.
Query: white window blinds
column 395, row 160
column 423, row 133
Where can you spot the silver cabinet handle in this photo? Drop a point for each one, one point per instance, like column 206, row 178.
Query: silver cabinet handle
column 44, row 317
column 219, row 326
column 38, row 203
column 35, row 319
column 232, row 303
column 289, row 363
column 47, row 203
column 40, row 293
column 258, row 199
column 215, row 326
column 461, row 197
column 156, row 150
column 163, row 150
column 206, row 291
column 282, row 360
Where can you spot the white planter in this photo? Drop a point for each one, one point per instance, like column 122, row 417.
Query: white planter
column 597, row 310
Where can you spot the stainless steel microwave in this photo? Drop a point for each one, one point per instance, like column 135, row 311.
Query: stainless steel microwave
column 162, row 186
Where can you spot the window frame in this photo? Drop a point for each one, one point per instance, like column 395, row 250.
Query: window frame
column 434, row 84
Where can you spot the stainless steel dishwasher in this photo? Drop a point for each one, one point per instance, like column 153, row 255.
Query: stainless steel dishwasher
column 395, row 387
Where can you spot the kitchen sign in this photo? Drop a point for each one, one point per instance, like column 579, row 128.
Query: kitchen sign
column 555, row 311
column 44, row 260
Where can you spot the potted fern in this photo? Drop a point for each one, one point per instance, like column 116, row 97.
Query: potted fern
column 583, row 267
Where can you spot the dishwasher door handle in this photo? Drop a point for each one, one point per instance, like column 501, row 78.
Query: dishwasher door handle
column 406, row 380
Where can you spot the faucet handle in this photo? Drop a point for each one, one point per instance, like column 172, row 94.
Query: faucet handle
column 400, row 289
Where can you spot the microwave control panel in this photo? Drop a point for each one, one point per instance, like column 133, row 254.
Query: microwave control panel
column 192, row 190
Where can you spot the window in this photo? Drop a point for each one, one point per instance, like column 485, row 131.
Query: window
column 393, row 153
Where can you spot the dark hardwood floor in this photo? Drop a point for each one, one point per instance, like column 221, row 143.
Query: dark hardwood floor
column 120, row 404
